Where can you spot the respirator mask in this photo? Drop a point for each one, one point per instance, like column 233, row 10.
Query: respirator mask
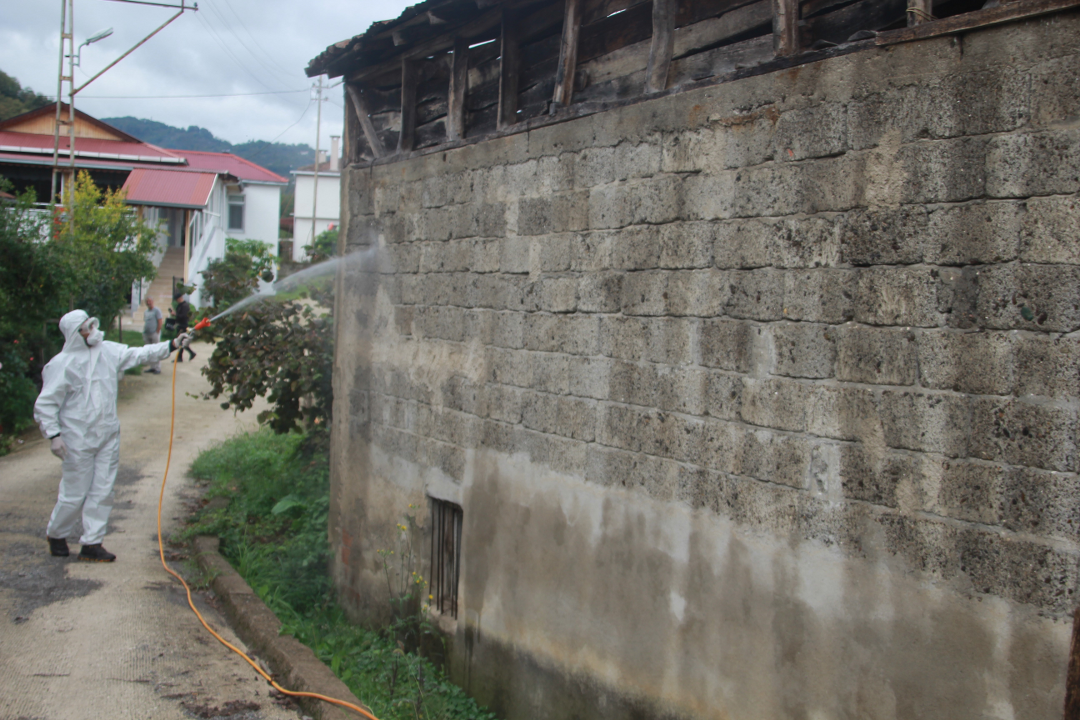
column 95, row 335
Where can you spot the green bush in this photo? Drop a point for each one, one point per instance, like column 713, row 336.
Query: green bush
column 274, row 532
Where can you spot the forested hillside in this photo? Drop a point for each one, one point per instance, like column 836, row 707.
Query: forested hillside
column 277, row 157
column 15, row 99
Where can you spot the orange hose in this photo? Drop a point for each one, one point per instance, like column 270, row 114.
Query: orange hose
column 223, row 641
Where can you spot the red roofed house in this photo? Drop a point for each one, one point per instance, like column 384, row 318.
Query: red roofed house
column 197, row 198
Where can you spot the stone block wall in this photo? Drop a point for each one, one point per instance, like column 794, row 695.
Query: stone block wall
column 760, row 399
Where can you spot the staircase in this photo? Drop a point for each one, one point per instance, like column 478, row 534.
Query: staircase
column 161, row 288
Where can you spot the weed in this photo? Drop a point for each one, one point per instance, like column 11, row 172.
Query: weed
column 274, row 532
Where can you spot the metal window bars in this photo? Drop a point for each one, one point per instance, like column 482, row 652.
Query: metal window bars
column 445, row 556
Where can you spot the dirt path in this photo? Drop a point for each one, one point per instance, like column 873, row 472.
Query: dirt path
column 88, row 640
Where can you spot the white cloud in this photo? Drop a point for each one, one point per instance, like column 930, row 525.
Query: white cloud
column 230, row 47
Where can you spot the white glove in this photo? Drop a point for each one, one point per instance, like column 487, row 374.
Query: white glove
column 59, row 449
column 182, row 340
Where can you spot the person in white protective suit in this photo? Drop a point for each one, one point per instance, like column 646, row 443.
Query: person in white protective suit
column 76, row 410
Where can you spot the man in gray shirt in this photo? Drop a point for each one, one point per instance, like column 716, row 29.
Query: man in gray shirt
column 152, row 320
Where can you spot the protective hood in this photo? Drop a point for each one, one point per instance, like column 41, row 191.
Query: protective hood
column 69, row 326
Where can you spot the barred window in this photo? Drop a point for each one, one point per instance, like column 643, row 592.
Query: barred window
column 445, row 556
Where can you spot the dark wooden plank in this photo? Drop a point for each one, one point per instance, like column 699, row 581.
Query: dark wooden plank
column 615, row 32
column 568, row 49
column 459, row 81
column 596, row 10
column 694, row 11
column 363, row 116
column 534, row 73
column 836, row 27
column 544, row 21
column 738, row 24
column 977, row 18
column 431, row 133
column 483, row 121
column 407, row 136
column 723, row 60
column 430, row 110
column 545, row 48
column 663, row 43
column 810, row 8
column 508, row 72
column 786, row 27
column 1072, row 675
column 482, row 96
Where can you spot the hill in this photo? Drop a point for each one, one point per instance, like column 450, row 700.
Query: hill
column 277, row 157
column 15, row 99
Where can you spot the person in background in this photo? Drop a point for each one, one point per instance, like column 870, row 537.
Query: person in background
column 151, row 332
column 183, row 317
column 76, row 411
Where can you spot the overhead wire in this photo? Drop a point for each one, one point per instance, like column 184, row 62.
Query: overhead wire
column 244, row 27
column 225, row 23
column 210, row 28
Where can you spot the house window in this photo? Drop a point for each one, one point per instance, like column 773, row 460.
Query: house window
column 445, row 556
column 236, row 212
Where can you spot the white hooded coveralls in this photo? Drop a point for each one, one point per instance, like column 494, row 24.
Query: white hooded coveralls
column 78, row 401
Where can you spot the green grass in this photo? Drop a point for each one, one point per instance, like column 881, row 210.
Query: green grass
column 274, row 533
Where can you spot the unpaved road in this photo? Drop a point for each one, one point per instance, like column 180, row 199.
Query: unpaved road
column 88, row 640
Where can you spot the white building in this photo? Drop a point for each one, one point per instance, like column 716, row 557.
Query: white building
column 314, row 214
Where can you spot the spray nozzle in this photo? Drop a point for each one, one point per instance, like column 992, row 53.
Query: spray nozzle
column 202, row 324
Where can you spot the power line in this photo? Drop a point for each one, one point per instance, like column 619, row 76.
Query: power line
column 228, row 50
column 225, row 23
column 244, row 27
column 168, row 97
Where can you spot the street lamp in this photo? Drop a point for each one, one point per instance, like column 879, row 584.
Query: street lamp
column 100, row 35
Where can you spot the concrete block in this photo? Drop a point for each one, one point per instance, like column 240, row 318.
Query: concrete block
column 1041, row 503
column 709, row 196
column 876, row 355
column 1027, row 432
column 696, row 293
column 550, row 372
column 573, row 334
column 509, row 367
column 776, row 458
column 514, row 254
column 594, row 166
column 555, row 174
column 843, row 413
column 590, row 377
column 978, row 363
column 723, row 395
column 645, row 293
column 686, row 245
column 776, row 403
column 743, row 244
column 462, row 394
column 816, row 131
column 755, row 294
column 976, row 233
column 832, row 184
column 635, row 248
column 937, row 423
column 443, row 323
column 609, row 467
column 804, row 350
column 652, row 201
column 444, row 456
column 558, row 294
column 551, row 253
column 484, row 255
column 503, row 403
column 435, row 192
column 637, row 159
column 884, row 236
column 878, row 478
column 403, row 319
column 1056, row 92
column 592, row 252
column 723, row 444
column 1047, row 365
column 553, row 214
column 600, row 292
column 1025, row 164
column 727, row 345
column 1027, row 296
column 633, row 383
column 400, row 258
column 453, row 256
column 821, row 295
column 1048, row 233
column 898, row 296
column 662, row 340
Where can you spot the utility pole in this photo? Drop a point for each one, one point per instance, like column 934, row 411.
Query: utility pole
column 67, row 43
column 315, row 193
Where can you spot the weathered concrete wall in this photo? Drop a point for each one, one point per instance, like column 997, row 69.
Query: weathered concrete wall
column 760, row 399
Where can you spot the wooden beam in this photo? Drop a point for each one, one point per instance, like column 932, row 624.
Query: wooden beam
column 975, row 19
column 459, row 81
column 564, row 75
column 362, row 114
column 663, row 42
column 407, row 136
column 786, row 27
column 919, row 11
column 508, row 73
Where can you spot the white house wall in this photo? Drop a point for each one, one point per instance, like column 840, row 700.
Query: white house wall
column 262, row 208
column 329, row 209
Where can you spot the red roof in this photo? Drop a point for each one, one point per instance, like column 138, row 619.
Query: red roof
column 90, row 148
column 169, row 188
column 231, row 164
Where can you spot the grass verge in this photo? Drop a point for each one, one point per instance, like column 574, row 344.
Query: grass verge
column 273, row 531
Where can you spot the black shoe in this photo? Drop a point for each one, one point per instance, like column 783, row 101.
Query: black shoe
column 58, row 548
column 95, row 553
column 191, row 356
column 154, row 372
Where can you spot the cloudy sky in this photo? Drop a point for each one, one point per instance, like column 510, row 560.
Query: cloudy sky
column 236, row 65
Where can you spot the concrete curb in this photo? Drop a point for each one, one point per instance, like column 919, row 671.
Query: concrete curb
column 294, row 663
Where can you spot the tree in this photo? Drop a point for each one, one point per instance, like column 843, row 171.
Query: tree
column 325, row 246
column 237, row 275
column 105, row 247
column 283, row 352
column 16, row 100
